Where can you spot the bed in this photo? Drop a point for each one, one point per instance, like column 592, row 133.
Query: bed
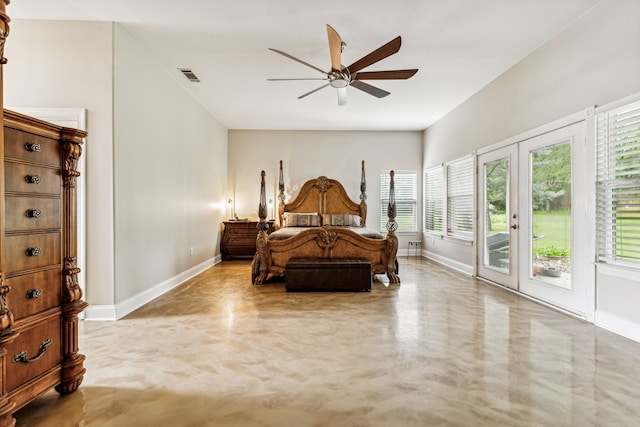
column 323, row 222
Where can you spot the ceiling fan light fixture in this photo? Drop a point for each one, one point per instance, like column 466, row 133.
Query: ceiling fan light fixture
column 339, row 83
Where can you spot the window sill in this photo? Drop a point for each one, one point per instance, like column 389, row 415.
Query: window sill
column 434, row 235
column 402, row 233
column 460, row 240
column 622, row 271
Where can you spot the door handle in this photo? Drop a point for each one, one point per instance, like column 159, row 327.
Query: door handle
column 514, row 226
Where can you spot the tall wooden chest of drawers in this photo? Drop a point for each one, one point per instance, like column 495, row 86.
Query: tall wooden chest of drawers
column 40, row 297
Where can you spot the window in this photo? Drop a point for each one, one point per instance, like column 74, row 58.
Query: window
column 433, row 200
column 406, row 189
column 618, row 184
column 460, row 198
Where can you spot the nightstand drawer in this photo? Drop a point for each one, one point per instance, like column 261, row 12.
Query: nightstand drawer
column 33, row 293
column 244, row 230
column 23, row 178
column 34, row 351
column 27, row 146
column 25, row 252
column 32, row 213
column 243, row 240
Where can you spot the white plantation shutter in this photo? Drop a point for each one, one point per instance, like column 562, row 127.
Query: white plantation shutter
column 433, row 199
column 460, row 197
column 618, row 184
column 405, row 185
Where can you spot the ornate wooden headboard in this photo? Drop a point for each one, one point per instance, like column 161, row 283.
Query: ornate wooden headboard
column 323, row 195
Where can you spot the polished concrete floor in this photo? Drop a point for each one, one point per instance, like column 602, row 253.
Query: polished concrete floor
column 441, row 349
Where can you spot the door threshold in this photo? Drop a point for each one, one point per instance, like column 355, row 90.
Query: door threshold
column 536, row 300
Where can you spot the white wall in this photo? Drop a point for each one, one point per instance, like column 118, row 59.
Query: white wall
column 156, row 160
column 69, row 64
column 170, row 159
column 310, row 154
column 593, row 62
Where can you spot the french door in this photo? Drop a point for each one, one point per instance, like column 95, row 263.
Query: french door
column 531, row 223
column 497, row 222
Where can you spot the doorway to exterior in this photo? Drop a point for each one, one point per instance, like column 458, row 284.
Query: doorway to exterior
column 532, row 230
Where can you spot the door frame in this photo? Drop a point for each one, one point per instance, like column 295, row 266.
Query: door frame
column 585, row 204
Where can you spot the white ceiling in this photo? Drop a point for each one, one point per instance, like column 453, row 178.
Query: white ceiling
column 458, row 45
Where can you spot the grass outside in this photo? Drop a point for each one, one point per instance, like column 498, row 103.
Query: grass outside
column 555, row 226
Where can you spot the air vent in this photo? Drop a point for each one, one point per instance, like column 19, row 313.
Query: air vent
column 189, row 74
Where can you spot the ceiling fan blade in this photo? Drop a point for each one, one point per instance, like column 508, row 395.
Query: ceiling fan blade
column 377, row 55
column 282, row 80
column 342, row 96
column 313, row 91
column 386, row 75
column 371, row 90
column 335, row 48
column 297, row 60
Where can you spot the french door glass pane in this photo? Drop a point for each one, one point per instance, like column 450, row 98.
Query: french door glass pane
column 551, row 215
column 496, row 227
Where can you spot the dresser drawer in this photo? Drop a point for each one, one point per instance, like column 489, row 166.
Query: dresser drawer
column 24, row 252
column 33, row 352
column 31, row 213
column 242, row 240
column 33, row 293
column 244, row 230
column 27, row 146
column 23, row 178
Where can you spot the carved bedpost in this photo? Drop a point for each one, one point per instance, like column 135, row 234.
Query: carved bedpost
column 392, row 240
column 259, row 264
column 6, row 318
column 281, row 197
column 363, row 197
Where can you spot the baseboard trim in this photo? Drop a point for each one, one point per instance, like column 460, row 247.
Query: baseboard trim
column 617, row 325
column 448, row 262
column 100, row 313
column 118, row 311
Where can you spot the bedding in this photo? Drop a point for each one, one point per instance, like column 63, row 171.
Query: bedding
column 292, row 219
column 343, row 220
column 287, row 232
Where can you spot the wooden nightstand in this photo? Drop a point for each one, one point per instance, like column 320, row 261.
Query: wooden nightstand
column 239, row 239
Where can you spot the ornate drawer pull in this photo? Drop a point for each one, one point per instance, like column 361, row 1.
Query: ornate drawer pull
column 22, row 356
column 34, row 147
column 33, row 213
column 32, row 179
column 33, row 252
column 34, row 293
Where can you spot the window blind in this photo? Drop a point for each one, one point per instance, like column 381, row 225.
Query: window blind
column 433, row 199
column 405, row 184
column 460, row 197
column 618, row 184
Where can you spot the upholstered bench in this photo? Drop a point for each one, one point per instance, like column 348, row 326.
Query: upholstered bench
column 328, row 274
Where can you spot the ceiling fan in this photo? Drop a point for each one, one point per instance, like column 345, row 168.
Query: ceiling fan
column 340, row 76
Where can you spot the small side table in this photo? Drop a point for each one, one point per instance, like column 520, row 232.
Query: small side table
column 418, row 247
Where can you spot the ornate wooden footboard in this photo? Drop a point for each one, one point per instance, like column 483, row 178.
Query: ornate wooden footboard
column 324, row 196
